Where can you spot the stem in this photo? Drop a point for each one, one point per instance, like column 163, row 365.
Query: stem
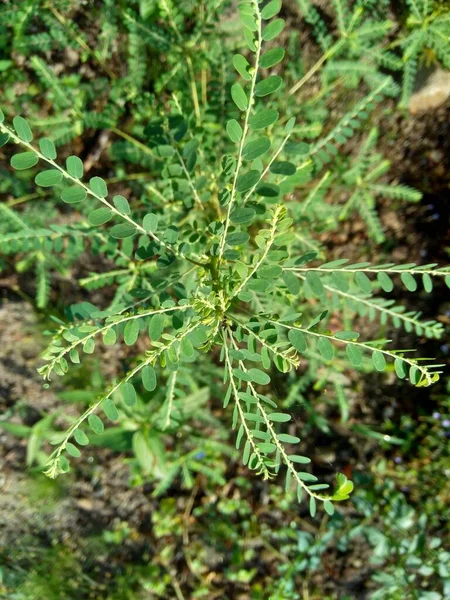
column 244, row 133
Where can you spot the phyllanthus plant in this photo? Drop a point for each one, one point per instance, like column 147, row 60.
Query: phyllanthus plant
column 218, row 267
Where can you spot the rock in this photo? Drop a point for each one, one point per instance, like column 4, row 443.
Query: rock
column 432, row 93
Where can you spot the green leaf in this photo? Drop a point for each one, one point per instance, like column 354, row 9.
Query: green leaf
column 242, row 66
column 96, row 424
column 409, row 282
column 239, row 97
column 150, row 222
column 315, row 283
column 242, row 215
column 99, row 216
column 121, row 203
column 47, row 148
column 131, row 332
column 2, row 116
column 80, row 437
column 312, row 506
column 379, row 362
column 247, row 180
column 286, row 438
column 24, row 160
column 156, row 327
column 427, row 283
column 325, row 348
column 268, row 86
column 283, row 167
column 237, row 238
column 73, row 194
column 363, row 282
column 72, row 450
column 110, row 337
column 329, row 508
column 301, row 460
column 298, row 340
column 98, row 186
column 278, row 417
column 258, row 376
column 110, row 410
column 148, row 375
column 122, row 231
column 256, row 148
column 385, row 281
column 129, row 394
column 263, row 118
column 354, row 355
column 234, row 130
column 271, row 58
column 4, row 139
column 74, row 167
column 22, row 129
column 273, row 29
column 48, row 178
column 271, row 9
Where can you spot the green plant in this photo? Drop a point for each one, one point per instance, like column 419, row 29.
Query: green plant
column 208, row 261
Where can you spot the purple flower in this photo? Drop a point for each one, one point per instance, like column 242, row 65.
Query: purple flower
column 446, row 423
column 200, row 455
column 436, row 415
column 398, row 460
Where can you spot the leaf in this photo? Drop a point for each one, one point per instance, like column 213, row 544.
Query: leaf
column 258, row 376
column 312, row 506
column 263, row 118
column 48, row 178
column 271, row 58
column 24, row 160
column 47, row 148
column 234, row 130
column 256, row 148
column 74, row 167
column 283, row 167
column 129, row 394
column 242, row 66
column 122, row 231
column 99, row 216
column 271, row 9
column 22, row 129
column 329, row 508
column 286, row 438
column 268, row 86
column 427, row 283
column 239, row 97
column 297, row 458
column 150, row 222
column 4, row 139
column 110, row 410
column 385, row 281
column 98, row 186
column 277, row 417
column 354, row 355
column 409, row 282
column 298, row 340
column 315, row 283
column 325, row 348
column 156, row 327
column 242, row 215
column 80, row 437
column 73, row 194
column 121, row 203
column 72, row 450
column 96, row 424
column 363, row 282
column 273, row 29
column 148, row 376
column 379, row 362
column 131, row 332
column 247, row 180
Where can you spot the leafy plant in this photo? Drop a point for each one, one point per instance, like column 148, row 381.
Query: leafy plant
column 210, row 261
